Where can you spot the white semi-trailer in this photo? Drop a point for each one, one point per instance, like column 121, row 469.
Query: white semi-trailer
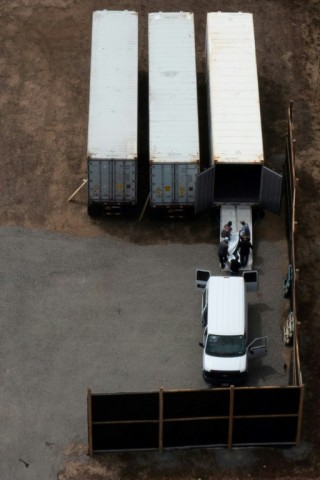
column 113, row 112
column 173, row 112
column 237, row 178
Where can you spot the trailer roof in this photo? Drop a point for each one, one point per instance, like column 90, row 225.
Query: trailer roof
column 113, row 106
column 234, row 92
column 173, row 107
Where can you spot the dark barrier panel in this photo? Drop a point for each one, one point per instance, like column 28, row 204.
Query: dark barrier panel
column 195, row 418
column 195, row 433
column 267, row 401
column 125, row 436
column 265, row 431
column 125, row 406
column 196, row 403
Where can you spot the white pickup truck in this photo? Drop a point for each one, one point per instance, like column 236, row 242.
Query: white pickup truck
column 224, row 315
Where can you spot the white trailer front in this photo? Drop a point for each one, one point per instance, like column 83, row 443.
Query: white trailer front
column 237, row 174
column 173, row 111
column 113, row 111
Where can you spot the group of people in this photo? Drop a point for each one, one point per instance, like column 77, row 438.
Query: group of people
column 243, row 247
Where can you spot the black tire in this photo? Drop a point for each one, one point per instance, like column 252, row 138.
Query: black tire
column 93, row 210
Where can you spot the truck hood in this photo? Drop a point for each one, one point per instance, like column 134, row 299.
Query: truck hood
column 225, row 364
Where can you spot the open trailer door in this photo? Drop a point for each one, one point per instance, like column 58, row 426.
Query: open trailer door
column 204, row 190
column 270, row 190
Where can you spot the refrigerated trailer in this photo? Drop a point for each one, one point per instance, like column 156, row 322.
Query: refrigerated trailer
column 237, row 178
column 236, row 174
column 113, row 112
column 173, row 112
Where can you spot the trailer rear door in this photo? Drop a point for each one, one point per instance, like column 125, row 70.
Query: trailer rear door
column 204, row 190
column 270, row 190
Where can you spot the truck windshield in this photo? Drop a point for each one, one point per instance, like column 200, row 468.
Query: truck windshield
column 225, row 345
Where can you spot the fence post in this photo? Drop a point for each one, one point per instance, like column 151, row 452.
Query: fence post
column 231, row 412
column 300, row 415
column 161, row 419
column 89, row 417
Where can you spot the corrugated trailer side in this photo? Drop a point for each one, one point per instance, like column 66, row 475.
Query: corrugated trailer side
column 173, row 111
column 113, row 111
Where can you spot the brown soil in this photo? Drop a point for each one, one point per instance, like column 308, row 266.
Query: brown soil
column 44, row 69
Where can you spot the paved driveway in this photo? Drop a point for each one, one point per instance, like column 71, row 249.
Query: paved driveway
column 111, row 315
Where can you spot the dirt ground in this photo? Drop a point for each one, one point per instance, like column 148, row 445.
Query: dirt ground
column 44, row 71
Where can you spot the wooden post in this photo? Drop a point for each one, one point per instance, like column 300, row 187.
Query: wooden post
column 316, row 82
column 291, row 109
column 84, row 181
column 231, row 412
column 89, row 420
column 298, row 438
column 144, row 208
column 161, row 419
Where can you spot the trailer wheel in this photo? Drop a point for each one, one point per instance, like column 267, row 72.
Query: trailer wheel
column 157, row 214
column 129, row 210
column 93, row 210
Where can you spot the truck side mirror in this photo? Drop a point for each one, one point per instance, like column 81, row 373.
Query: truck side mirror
column 251, row 279
column 201, row 344
column 202, row 276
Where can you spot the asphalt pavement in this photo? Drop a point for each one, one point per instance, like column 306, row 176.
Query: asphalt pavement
column 113, row 316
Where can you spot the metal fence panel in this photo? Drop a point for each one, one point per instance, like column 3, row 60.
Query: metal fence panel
column 125, row 436
column 196, row 403
column 265, row 431
column 267, row 401
column 196, row 433
column 125, row 407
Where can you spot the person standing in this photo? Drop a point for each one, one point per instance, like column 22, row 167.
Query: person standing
column 235, row 265
column 244, row 231
column 226, row 231
column 243, row 247
column 223, row 252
